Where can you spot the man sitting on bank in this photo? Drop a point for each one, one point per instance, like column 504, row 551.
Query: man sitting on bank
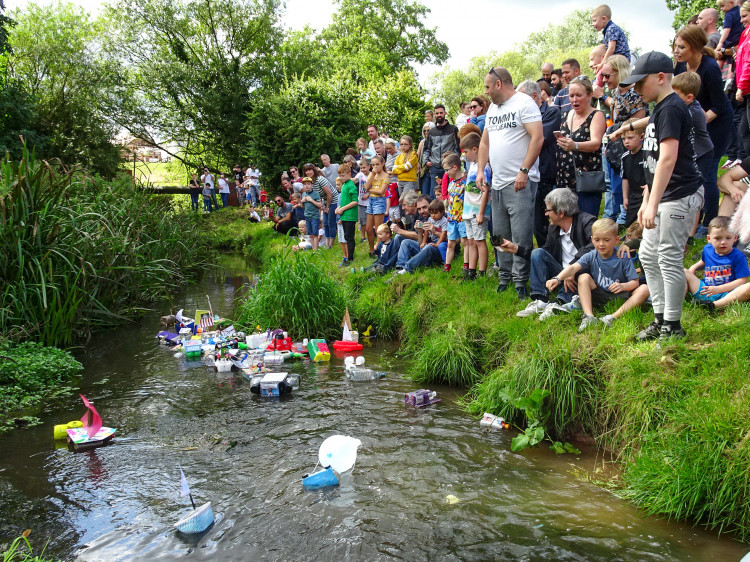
column 568, row 238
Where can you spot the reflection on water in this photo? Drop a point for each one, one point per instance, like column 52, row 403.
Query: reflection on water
column 247, row 455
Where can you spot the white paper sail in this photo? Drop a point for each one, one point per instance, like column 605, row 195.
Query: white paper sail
column 184, row 488
column 178, row 316
column 339, row 452
column 347, row 334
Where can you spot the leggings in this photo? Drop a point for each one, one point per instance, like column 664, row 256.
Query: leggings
column 350, row 228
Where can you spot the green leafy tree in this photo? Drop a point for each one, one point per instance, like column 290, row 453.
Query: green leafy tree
column 572, row 38
column 56, row 59
column 686, row 9
column 320, row 115
column 188, row 69
column 379, row 37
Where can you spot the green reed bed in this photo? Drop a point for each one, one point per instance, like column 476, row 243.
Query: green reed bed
column 78, row 253
column 676, row 419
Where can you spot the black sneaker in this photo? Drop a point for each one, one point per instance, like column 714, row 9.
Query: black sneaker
column 501, row 288
column 651, row 332
column 522, row 293
column 668, row 332
column 709, row 306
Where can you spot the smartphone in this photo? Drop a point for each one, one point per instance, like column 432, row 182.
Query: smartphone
column 557, row 134
column 496, row 240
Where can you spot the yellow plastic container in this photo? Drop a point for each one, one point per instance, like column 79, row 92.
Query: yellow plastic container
column 61, row 431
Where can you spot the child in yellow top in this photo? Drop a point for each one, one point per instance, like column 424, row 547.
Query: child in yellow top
column 406, row 166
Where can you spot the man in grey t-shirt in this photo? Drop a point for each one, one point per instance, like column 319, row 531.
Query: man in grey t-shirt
column 331, row 171
column 707, row 21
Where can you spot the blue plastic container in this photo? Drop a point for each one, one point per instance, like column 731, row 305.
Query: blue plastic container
column 320, row 479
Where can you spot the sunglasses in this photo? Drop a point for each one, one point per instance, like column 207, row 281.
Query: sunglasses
column 606, row 76
column 474, row 106
column 492, row 71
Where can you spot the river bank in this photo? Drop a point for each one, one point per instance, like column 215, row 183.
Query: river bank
column 677, row 419
column 246, row 455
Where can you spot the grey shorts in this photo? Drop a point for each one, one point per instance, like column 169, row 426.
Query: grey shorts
column 476, row 231
column 362, row 210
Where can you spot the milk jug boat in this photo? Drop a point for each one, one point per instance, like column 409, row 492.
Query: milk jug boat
column 197, row 520
column 93, row 434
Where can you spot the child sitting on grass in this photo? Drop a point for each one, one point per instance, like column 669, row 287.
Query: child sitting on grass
column 603, row 277
column 305, row 241
column 431, row 251
column 387, row 250
column 725, row 269
column 454, row 210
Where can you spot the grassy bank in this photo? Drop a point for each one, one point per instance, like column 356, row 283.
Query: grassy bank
column 677, row 419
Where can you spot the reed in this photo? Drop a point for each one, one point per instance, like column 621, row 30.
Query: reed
column 78, row 253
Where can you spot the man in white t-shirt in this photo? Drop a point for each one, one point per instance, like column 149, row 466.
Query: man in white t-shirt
column 252, row 183
column 372, row 133
column 511, row 141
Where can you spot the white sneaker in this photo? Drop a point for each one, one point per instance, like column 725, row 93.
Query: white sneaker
column 587, row 322
column 550, row 310
column 574, row 304
column 534, row 307
column 607, row 320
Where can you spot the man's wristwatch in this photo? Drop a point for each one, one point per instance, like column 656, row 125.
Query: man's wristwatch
column 524, row 171
column 556, row 278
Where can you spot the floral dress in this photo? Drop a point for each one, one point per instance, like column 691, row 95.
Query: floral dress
column 567, row 162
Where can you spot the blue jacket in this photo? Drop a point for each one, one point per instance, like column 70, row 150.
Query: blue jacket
column 388, row 259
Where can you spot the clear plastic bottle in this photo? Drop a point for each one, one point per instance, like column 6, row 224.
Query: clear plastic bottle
column 363, row 374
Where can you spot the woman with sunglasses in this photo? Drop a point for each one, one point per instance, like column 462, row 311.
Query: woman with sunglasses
column 624, row 103
column 691, row 53
column 479, row 107
column 579, row 144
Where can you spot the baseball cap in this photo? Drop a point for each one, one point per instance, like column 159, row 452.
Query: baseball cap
column 652, row 62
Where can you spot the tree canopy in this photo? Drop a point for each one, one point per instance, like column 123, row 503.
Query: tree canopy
column 572, row 38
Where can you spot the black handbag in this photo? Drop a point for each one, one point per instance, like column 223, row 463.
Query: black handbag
column 590, row 182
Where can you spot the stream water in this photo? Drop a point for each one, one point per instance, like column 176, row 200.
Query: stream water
column 247, row 455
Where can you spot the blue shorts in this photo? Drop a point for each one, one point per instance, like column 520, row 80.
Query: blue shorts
column 456, row 230
column 313, row 226
column 376, row 206
column 697, row 295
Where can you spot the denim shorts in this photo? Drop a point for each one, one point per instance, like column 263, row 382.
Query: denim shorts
column 313, row 225
column 697, row 295
column 376, row 206
column 456, row 230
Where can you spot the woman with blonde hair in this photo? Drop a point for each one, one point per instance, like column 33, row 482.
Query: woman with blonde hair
column 579, row 155
column 692, row 53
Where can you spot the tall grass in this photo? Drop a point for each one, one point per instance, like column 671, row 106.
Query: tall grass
column 295, row 293
column 77, row 253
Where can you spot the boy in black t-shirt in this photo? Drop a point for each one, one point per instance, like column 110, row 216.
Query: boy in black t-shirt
column 675, row 195
column 633, row 172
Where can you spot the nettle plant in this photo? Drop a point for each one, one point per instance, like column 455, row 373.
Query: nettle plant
column 536, row 416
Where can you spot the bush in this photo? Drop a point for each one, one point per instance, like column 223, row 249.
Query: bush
column 296, row 294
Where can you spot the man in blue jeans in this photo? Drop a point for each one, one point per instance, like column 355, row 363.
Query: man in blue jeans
column 442, row 138
column 568, row 238
column 431, row 251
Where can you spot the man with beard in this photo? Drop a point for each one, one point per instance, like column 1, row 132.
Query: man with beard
column 511, row 141
column 442, row 138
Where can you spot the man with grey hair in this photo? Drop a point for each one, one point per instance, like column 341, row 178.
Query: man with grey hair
column 707, row 21
column 547, row 69
column 511, row 141
column 568, row 239
column 547, row 157
column 330, row 171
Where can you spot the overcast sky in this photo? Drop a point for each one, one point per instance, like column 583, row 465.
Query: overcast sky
column 483, row 25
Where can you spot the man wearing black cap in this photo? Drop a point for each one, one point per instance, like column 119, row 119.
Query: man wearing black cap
column 674, row 197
